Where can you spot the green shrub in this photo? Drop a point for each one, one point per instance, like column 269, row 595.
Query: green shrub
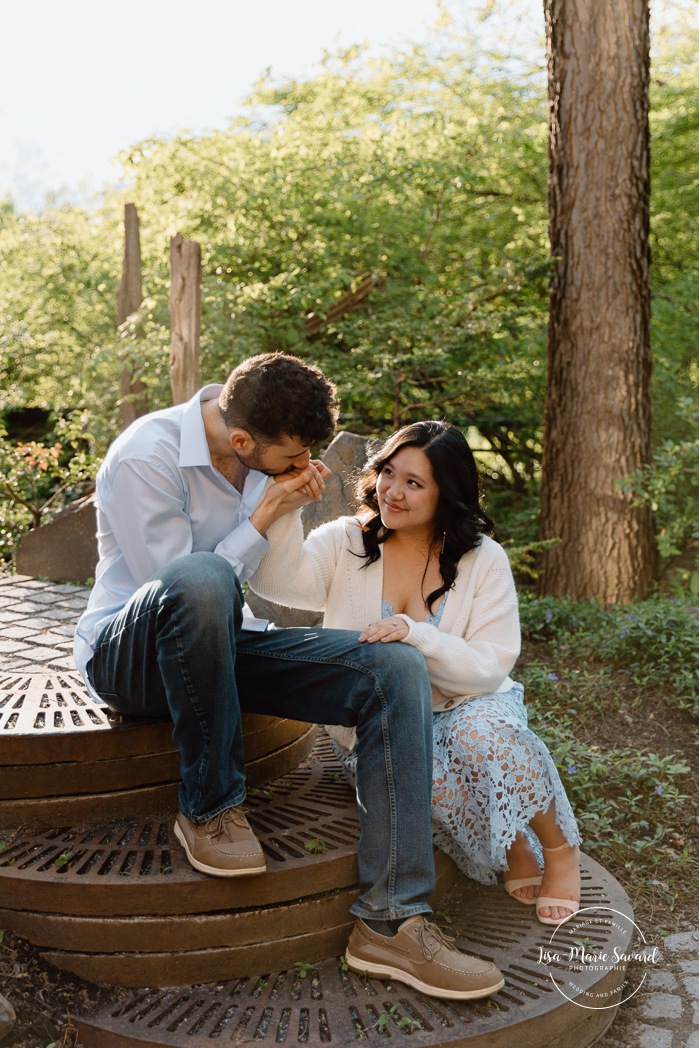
column 551, row 618
column 655, row 641
column 38, row 478
column 631, row 803
column 670, row 486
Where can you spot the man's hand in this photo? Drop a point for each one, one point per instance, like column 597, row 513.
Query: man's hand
column 290, row 491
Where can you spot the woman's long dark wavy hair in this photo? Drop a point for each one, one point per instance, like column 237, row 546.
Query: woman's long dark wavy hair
column 459, row 522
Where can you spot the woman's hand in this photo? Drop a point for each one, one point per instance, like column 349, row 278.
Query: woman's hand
column 288, row 492
column 316, row 485
column 386, row 630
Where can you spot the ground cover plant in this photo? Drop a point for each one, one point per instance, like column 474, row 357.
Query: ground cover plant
column 615, row 694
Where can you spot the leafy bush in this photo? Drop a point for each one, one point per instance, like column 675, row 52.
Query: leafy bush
column 631, row 803
column 551, row 618
column 655, row 641
column 38, row 478
column 670, row 485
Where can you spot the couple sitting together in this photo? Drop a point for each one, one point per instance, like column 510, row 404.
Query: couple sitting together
column 410, row 675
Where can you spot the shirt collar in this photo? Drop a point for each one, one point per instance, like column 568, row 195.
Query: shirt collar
column 194, row 450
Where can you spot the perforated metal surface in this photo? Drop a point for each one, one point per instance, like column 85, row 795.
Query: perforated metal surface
column 47, row 717
column 129, row 909
column 67, row 758
column 333, row 1005
column 48, row 703
column 135, row 866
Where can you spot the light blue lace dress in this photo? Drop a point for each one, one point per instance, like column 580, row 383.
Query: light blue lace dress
column 491, row 776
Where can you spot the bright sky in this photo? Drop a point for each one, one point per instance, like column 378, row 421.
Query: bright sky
column 81, row 80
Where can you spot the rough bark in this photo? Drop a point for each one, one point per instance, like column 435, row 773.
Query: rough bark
column 133, row 401
column 597, row 422
column 185, row 317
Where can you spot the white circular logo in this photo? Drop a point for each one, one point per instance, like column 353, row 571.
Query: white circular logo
column 586, row 957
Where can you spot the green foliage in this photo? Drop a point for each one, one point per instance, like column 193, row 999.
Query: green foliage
column 58, row 275
column 523, row 556
column 670, row 484
column 550, row 618
column 402, row 1021
column 674, row 120
column 655, row 641
column 410, row 172
column 38, row 479
column 419, row 177
column 631, row 803
column 316, row 846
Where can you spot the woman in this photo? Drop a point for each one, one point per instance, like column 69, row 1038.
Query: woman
column 416, row 566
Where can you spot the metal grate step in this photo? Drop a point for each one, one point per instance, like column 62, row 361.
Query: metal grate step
column 136, row 867
column 119, row 903
column 306, row 1003
column 67, row 758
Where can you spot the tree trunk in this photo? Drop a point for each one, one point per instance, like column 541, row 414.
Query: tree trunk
column 597, row 422
column 133, row 401
column 185, row 317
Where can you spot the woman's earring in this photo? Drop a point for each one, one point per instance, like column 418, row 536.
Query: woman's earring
column 444, row 542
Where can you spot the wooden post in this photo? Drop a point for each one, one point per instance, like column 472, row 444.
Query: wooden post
column 129, row 297
column 185, row 317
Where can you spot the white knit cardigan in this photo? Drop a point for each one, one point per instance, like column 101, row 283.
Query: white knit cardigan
column 478, row 639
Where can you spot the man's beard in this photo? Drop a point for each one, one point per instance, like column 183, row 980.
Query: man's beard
column 254, row 461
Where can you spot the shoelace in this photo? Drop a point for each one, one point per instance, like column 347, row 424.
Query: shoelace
column 217, row 825
column 428, row 934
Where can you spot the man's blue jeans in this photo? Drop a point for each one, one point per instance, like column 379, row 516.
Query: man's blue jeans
column 178, row 648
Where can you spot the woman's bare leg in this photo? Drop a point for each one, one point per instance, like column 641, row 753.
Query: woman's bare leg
column 561, row 865
column 522, row 864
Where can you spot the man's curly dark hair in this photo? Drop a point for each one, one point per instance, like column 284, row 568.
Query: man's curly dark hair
column 274, row 395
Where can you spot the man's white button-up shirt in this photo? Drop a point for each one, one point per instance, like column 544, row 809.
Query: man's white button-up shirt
column 160, row 498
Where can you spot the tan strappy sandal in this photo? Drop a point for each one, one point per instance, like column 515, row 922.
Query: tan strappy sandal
column 567, row 904
column 523, row 882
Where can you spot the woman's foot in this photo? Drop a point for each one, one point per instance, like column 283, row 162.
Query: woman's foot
column 523, row 876
column 559, row 897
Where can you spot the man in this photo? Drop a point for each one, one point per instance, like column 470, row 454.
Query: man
column 184, row 499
